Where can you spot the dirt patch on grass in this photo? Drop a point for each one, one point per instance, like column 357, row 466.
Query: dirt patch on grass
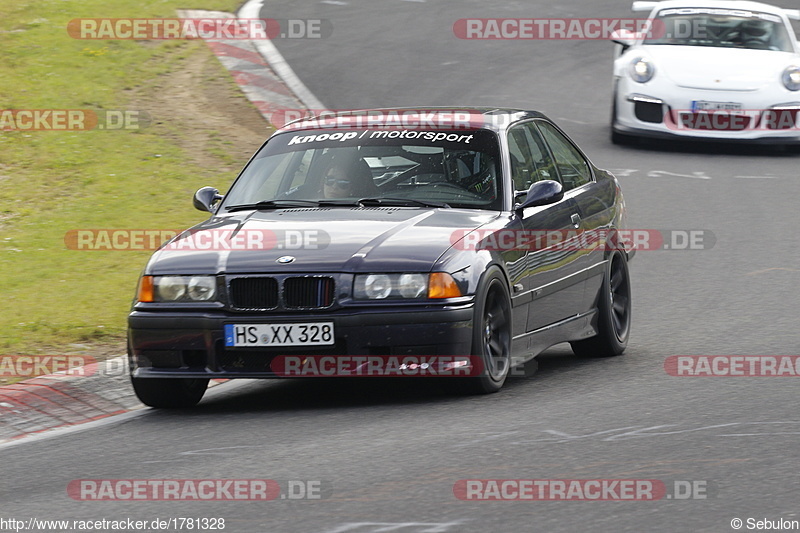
column 198, row 107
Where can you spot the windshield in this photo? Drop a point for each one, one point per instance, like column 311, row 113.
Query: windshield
column 724, row 28
column 402, row 167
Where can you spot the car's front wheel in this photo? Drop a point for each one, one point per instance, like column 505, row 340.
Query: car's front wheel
column 169, row 393
column 491, row 337
column 614, row 313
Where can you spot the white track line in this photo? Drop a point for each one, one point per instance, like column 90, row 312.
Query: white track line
column 212, row 392
column 252, row 10
column 76, row 428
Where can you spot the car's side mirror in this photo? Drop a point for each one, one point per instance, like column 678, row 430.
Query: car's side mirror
column 624, row 38
column 543, row 192
column 205, row 198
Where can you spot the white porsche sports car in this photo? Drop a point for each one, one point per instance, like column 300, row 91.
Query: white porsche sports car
column 708, row 70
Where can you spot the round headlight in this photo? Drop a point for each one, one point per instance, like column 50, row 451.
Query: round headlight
column 377, row 286
column 791, row 78
column 642, row 69
column 201, row 288
column 412, row 285
column 170, row 288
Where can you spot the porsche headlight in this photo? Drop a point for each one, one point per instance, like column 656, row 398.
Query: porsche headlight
column 178, row 289
column 642, row 69
column 407, row 286
column 791, row 78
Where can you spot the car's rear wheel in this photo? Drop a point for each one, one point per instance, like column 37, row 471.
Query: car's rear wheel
column 169, row 393
column 491, row 337
column 614, row 313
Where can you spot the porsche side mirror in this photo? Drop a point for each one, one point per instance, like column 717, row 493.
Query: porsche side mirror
column 624, row 37
column 206, row 198
column 624, row 40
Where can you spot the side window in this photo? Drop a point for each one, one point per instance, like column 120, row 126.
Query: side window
column 530, row 160
column 572, row 167
column 520, row 158
column 543, row 167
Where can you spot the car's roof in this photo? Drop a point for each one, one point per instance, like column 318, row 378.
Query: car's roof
column 728, row 4
column 490, row 118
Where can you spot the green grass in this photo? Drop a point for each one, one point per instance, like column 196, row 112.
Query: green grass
column 53, row 182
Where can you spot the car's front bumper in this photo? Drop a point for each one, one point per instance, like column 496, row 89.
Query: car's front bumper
column 651, row 109
column 191, row 344
column 657, row 134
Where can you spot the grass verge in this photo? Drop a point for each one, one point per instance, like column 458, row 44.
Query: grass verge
column 58, row 300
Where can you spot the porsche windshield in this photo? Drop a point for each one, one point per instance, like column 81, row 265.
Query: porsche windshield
column 724, row 28
column 455, row 168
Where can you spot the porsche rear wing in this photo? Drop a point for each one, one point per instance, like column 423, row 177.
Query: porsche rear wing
column 649, row 5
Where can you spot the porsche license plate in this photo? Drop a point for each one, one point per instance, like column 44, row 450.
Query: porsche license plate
column 702, row 105
column 294, row 334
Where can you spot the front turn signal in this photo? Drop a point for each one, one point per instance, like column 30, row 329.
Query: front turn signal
column 442, row 285
column 145, row 291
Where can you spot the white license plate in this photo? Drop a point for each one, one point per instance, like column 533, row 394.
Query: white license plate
column 702, row 105
column 295, row 334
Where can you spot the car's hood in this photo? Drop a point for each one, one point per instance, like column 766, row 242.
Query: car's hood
column 319, row 239
column 723, row 69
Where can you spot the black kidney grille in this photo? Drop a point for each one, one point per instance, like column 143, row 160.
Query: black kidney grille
column 308, row 292
column 254, row 293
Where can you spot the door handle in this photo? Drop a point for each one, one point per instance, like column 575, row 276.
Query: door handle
column 576, row 220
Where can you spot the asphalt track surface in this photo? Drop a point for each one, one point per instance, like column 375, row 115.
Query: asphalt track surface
column 388, row 455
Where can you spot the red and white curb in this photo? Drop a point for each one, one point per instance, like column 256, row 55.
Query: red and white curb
column 54, row 401
column 258, row 69
column 45, row 403
column 58, row 400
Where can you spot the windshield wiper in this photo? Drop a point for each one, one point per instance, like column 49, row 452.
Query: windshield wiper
column 339, row 203
column 273, row 204
column 284, row 204
column 400, row 202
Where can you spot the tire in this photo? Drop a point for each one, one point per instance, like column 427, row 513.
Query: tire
column 619, row 139
column 614, row 313
column 491, row 337
column 169, row 393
